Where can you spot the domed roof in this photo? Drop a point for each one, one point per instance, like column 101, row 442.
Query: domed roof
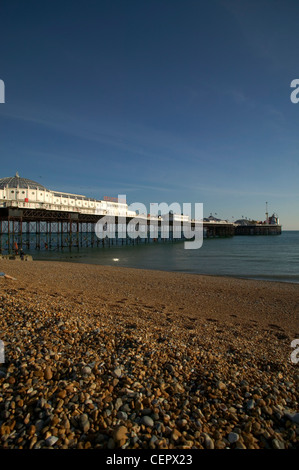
column 16, row 181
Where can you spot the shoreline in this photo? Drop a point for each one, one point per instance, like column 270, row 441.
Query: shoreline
column 259, row 298
column 58, row 260
column 111, row 357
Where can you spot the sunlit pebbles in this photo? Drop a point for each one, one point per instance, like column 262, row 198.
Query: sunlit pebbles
column 81, row 375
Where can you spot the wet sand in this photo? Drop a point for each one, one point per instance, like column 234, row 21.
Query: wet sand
column 171, row 360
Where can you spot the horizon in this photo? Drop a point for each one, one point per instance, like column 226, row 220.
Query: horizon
column 158, row 101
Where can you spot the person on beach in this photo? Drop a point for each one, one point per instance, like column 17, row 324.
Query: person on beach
column 7, row 276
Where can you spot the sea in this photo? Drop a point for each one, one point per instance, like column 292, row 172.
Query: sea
column 270, row 258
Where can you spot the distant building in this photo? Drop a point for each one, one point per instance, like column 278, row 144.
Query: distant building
column 214, row 220
column 243, row 222
column 25, row 193
column 274, row 220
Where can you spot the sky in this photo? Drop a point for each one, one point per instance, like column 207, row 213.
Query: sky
column 160, row 100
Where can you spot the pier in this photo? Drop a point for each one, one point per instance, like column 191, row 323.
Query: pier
column 34, row 218
column 40, row 229
column 258, row 229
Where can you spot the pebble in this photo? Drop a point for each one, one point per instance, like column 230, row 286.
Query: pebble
column 153, row 440
column 118, row 403
column 84, row 423
column 158, row 385
column 233, row 437
column 209, row 443
column 221, row 385
column 117, row 373
column 147, row 421
column 87, row 370
column 51, row 441
column 120, row 434
column 293, row 417
column 122, row 415
column 48, row 373
column 250, row 404
column 277, row 444
column 240, row 445
column 111, row 444
column 175, row 435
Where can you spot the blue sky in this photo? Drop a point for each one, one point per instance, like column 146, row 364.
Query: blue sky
column 161, row 100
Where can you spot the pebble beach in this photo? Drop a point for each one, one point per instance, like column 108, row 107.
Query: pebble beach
column 100, row 357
